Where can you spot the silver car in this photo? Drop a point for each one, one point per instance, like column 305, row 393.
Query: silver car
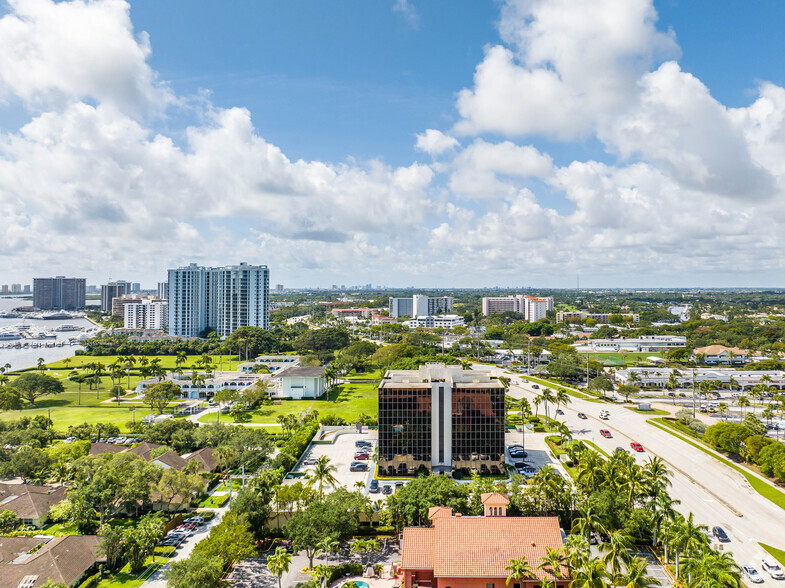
column 752, row 574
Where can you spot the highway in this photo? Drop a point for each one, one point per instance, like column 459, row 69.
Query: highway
column 702, row 484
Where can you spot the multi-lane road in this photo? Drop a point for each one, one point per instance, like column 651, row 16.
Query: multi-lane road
column 714, row 492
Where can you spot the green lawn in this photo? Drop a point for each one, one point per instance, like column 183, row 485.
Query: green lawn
column 763, row 488
column 570, row 391
column 79, row 404
column 777, row 554
column 347, row 401
column 656, row 411
column 618, row 358
column 125, row 579
column 214, row 501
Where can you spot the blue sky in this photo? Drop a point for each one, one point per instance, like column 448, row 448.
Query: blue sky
column 439, row 143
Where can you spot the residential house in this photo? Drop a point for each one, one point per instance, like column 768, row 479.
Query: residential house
column 300, row 382
column 473, row 552
column 719, row 354
column 66, row 560
column 31, row 504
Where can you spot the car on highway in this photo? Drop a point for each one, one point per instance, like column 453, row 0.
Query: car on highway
column 771, row 567
column 637, row 446
column 606, row 433
column 358, row 466
column 536, row 386
column 387, row 490
column 752, row 574
column 720, row 534
column 621, row 449
column 559, row 411
column 605, row 416
column 374, row 487
column 582, row 416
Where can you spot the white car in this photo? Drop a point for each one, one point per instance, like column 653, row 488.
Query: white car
column 774, row 570
column 752, row 574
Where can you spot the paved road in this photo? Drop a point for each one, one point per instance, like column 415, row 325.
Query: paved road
column 762, row 520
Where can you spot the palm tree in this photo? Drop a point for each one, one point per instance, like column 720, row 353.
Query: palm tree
column 117, row 392
column 576, row 550
column 130, row 361
column 635, row 575
column 688, row 537
column 663, row 512
column 616, row 551
column 180, row 358
column 279, row 562
column 657, row 475
column 519, row 569
column 41, row 364
column 723, row 408
column 553, row 559
column 326, row 546
column 711, row 569
column 592, row 574
column 743, row 401
column 561, row 397
column 547, row 396
column 322, row 474
column 564, row 432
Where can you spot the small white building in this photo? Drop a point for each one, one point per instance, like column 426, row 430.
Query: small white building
column 300, row 382
column 645, row 344
column 445, row 321
column 274, row 363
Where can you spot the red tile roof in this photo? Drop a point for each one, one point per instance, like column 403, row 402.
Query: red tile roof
column 494, row 499
column 480, row 547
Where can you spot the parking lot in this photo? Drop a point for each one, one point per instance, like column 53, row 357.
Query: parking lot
column 341, row 455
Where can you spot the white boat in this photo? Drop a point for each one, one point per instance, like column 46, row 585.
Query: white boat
column 66, row 327
column 7, row 335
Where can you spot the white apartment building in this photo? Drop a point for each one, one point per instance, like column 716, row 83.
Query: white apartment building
column 602, row 318
column 222, row 298
column 445, row 321
column 533, row 308
column 420, row 305
column 147, row 314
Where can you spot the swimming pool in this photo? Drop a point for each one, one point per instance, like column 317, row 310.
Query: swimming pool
column 358, row 583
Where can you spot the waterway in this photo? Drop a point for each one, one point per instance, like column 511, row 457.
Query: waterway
column 25, row 358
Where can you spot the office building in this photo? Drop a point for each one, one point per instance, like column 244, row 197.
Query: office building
column 26, row 289
column 439, row 419
column 222, row 298
column 136, row 287
column 59, row 293
column 111, row 291
column 16, row 288
column 645, row 344
column 420, row 305
column 163, row 290
column 147, row 314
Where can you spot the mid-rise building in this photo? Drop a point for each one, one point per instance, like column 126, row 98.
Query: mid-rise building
column 420, row 305
column 441, row 418
column 222, row 298
column 136, row 287
column 444, row 321
column 118, row 304
column 59, row 293
column 16, row 288
column 163, row 290
column 26, row 289
column 533, row 308
column 602, row 318
column 4, row 289
column 111, row 291
column 147, row 314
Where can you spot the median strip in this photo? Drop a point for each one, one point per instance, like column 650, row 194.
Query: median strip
column 760, row 486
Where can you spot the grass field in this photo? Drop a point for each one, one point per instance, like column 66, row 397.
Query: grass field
column 618, row 358
column 79, row 404
column 348, row 401
column 655, row 411
column 761, row 487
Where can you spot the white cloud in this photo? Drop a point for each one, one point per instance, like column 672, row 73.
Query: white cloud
column 572, row 63
column 51, row 53
column 435, row 142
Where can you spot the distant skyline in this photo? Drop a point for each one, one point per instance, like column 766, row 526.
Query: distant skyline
column 448, row 143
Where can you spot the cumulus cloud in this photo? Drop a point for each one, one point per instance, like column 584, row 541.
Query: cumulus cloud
column 435, row 142
column 409, row 13
column 51, row 53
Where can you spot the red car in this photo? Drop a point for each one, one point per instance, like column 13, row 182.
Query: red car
column 361, row 456
column 637, row 446
column 606, row 433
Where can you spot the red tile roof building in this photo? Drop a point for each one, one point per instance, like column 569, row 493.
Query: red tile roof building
column 473, row 552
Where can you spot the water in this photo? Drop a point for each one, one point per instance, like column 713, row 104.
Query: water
column 25, row 358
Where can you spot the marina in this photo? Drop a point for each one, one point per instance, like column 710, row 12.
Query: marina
column 27, row 336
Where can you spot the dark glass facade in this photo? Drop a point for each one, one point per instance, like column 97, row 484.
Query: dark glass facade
column 407, row 426
column 404, row 430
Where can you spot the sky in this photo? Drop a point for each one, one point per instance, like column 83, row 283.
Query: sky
column 439, row 143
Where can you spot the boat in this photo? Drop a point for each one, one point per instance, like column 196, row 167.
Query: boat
column 55, row 316
column 66, row 327
column 9, row 314
column 8, row 335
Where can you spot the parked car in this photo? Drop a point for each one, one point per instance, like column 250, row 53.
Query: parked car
column 197, row 520
column 363, row 444
column 771, row 566
column 170, row 542
column 637, row 446
column 288, row 546
column 358, row 466
column 720, row 534
column 387, row 490
column 362, row 455
column 374, row 487
column 752, row 574
column 606, row 433
column 582, row 416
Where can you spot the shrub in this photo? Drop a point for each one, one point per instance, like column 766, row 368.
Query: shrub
column 697, row 426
